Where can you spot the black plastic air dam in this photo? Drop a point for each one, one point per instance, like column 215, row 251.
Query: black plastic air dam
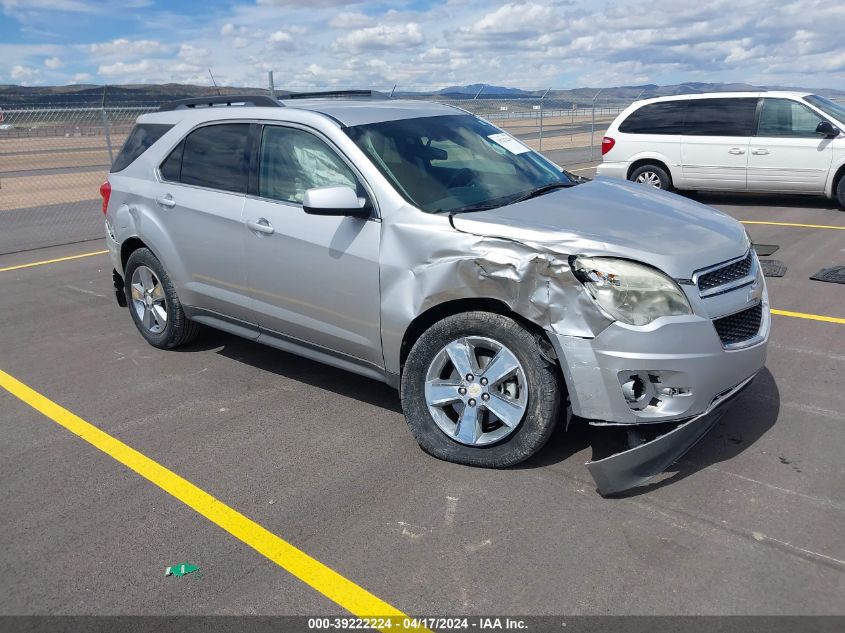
column 637, row 465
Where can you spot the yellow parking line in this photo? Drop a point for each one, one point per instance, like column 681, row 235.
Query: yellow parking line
column 803, row 226
column 312, row 572
column 51, row 261
column 812, row 317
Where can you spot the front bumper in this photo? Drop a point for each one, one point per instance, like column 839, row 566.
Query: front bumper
column 636, row 465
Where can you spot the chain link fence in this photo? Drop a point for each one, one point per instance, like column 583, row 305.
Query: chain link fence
column 52, row 163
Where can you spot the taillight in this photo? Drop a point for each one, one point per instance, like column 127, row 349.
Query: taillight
column 607, row 144
column 105, row 192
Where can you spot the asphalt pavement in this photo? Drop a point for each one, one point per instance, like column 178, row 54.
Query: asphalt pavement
column 751, row 521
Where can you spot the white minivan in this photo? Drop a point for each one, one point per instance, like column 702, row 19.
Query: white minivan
column 786, row 142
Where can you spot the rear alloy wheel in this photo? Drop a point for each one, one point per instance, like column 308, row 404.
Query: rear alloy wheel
column 153, row 304
column 478, row 390
column 652, row 176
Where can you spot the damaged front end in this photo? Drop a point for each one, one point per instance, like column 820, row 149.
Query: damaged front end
column 645, row 459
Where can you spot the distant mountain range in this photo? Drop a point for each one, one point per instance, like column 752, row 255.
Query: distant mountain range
column 16, row 96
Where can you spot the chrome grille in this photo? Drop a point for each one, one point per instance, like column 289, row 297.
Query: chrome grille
column 726, row 274
column 739, row 327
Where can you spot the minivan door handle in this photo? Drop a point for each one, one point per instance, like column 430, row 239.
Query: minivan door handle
column 261, row 225
column 760, row 151
column 166, row 201
column 736, row 150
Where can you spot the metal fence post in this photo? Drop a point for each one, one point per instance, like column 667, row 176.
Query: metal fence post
column 593, row 126
column 108, row 135
column 271, row 85
column 541, row 119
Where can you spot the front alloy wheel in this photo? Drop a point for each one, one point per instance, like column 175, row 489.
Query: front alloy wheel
column 476, row 391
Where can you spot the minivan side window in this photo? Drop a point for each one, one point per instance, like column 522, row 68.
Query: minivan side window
column 293, row 161
column 720, row 117
column 666, row 117
column 214, row 156
column 783, row 117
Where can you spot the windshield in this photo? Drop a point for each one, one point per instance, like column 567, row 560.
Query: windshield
column 455, row 163
column 831, row 108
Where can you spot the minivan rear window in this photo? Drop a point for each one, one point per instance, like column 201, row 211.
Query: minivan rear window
column 140, row 139
column 666, row 117
column 720, row 117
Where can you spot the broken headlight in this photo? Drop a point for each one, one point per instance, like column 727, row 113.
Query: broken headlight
column 633, row 293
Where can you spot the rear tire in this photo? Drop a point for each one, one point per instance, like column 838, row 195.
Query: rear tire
column 509, row 376
column 840, row 191
column 153, row 304
column 653, row 176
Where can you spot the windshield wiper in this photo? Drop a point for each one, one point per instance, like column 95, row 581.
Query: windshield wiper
column 481, row 206
column 539, row 191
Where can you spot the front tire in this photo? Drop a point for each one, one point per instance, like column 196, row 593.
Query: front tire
column 652, row 176
column 478, row 390
column 153, row 304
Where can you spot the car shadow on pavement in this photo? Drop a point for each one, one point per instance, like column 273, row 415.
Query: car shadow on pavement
column 763, row 200
column 297, row 368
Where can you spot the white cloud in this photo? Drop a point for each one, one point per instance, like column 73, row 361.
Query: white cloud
column 350, row 20
column 381, row 36
column 53, row 63
column 122, row 69
column 279, row 38
column 82, row 78
column 24, row 74
column 127, row 48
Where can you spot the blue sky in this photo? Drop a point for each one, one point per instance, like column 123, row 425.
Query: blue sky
column 423, row 44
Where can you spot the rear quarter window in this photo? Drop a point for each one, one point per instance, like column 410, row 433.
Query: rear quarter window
column 656, row 118
column 140, row 139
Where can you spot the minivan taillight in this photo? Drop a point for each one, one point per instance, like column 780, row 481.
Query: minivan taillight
column 607, row 144
column 105, row 192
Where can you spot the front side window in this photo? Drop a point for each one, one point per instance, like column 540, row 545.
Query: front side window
column 720, row 117
column 830, row 108
column 656, row 118
column 454, row 163
column 293, row 161
column 786, row 118
column 214, row 156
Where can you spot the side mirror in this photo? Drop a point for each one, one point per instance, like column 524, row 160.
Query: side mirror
column 827, row 128
column 338, row 200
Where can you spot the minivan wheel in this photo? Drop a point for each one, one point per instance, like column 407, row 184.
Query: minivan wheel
column 153, row 303
column 653, row 176
column 477, row 390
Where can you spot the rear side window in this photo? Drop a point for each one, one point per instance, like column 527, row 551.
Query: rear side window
column 656, row 118
column 140, row 139
column 720, row 117
column 214, row 156
column 782, row 117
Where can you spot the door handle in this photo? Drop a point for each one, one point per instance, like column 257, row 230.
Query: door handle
column 166, row 201
column 736, row 150
column 261, row 225
column 760, row 151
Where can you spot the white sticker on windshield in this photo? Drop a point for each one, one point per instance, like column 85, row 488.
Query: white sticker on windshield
column 509, row 143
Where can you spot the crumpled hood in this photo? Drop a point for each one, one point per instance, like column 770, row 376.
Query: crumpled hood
column 616, row 217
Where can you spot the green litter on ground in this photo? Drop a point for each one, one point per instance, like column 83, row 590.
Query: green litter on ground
column 181, row 569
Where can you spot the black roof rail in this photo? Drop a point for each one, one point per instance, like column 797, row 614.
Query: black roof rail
column 335, row 94
column 258, row 101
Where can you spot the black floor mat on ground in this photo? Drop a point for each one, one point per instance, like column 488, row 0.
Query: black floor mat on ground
column 773, row 267
column 834, row 275
column 764, row 250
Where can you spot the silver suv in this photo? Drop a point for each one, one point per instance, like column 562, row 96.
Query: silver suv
column 419, row 245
